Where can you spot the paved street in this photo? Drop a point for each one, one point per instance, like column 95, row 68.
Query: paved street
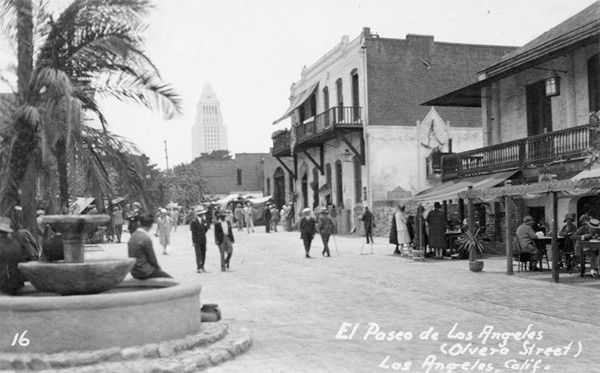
column 367, row 313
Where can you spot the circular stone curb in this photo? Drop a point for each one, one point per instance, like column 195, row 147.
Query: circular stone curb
column 208, row 334
column 234, row 344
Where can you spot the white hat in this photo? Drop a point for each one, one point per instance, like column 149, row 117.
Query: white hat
column 200, row 210
column 306, row 210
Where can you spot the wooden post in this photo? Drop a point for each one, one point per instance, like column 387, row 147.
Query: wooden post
column 507, row 235
column 471, row 222
column 555, row 253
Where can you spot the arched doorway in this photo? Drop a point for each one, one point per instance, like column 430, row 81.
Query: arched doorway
column 315, row 187
column 589, row 205
column 279, row 187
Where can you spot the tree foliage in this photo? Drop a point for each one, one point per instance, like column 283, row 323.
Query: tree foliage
column 217, row 154
column 185, row 185
column 92, row 49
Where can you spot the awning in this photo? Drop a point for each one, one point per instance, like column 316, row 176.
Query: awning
column 469, row 96
column 450, row 189
column 587, row 174
column 297, row 101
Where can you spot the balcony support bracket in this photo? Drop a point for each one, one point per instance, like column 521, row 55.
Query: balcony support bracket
column 286, row 167
column 359, row 154
column 317, row 165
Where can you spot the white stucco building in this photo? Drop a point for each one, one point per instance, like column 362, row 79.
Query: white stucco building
column 208, row 133
column 358, row 131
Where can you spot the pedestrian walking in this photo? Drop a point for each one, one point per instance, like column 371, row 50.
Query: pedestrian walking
column 175, row 217
column 326, row 228
column 369, row 223
column 307, row 230
column 436, row 223
column 249, row 217
column 133, row 221
column 274, row 217
column 267, row 217
column 118, row 221
column 199, row 226
column 224, row 239
column 239, row 217
column 163, row 229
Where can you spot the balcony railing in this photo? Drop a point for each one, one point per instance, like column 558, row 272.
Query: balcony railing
column 533, row 150
column 334, row 117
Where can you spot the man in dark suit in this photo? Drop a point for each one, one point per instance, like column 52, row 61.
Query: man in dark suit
column 140, row 247
column 224, row 239
column 199, row 226
column 267, row 217
column 307, row 230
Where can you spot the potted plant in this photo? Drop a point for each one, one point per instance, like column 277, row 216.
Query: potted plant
column 474, row 244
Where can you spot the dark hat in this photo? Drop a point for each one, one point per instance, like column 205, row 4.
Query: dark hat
column 583, row 218
column 569, row 217
column 527, row 219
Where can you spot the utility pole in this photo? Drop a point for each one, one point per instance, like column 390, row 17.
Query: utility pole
column 166, row 155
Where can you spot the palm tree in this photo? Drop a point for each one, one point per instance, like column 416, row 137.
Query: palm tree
column 93, row 49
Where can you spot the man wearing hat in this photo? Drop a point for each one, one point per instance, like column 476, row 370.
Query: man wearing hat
column 11, row 279
column 307, row 230
column 591, row 230
column 199, row 226
column 224, row 239
column 526, row 237
column 326, row 227
column 140, row 247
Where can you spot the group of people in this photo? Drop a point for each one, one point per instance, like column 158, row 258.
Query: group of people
column 432, row 233
column 575, row 240
column 309, row 226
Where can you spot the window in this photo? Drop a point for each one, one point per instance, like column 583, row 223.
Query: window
column 315, row 187
column 268, row 186
column 539, row 109
column 355, row 100
column 593, row 69
column 239, row 176
column 357, row 180
column 340, row 99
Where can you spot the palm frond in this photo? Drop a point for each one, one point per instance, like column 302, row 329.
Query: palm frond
column 146, row 90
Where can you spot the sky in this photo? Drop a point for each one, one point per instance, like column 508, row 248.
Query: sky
column 251, row 51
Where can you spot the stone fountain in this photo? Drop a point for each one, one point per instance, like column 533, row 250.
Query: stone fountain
column 75, row 275
column 85, row 305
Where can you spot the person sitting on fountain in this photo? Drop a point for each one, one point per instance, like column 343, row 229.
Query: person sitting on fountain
column 140, row 247
column 11, row 279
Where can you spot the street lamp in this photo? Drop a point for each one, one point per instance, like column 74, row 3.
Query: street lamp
column 347, row 156
column 553, row 84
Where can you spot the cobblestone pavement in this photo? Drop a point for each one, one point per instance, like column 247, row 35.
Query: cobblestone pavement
column 368, row 312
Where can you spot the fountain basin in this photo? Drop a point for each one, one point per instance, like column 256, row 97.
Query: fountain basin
column 133, row 313
column 91, row 277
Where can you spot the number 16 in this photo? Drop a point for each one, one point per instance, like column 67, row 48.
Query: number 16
column 21, row 340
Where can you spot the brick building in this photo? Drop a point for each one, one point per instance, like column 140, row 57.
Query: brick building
column 358, row 132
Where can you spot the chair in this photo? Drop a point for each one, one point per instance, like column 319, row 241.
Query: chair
column 541, row 245
column 517, row 255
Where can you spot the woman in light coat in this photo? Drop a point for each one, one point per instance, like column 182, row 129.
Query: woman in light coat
column 403, row 237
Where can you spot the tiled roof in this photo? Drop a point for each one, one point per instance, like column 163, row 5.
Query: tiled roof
column 581, row 26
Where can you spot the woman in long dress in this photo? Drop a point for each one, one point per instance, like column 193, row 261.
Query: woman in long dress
column 402, row 228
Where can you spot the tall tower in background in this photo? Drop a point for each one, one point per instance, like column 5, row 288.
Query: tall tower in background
column 208, row 133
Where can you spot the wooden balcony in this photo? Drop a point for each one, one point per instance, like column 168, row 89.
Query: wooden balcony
column 324, row 126
column 563, row 145
column 281, row 144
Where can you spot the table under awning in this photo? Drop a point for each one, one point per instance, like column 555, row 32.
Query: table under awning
column 297, row 101
column 450, row 190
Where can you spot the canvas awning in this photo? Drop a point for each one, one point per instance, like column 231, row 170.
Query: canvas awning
column 450, row 190
column 297, row 101
column 587, row 174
